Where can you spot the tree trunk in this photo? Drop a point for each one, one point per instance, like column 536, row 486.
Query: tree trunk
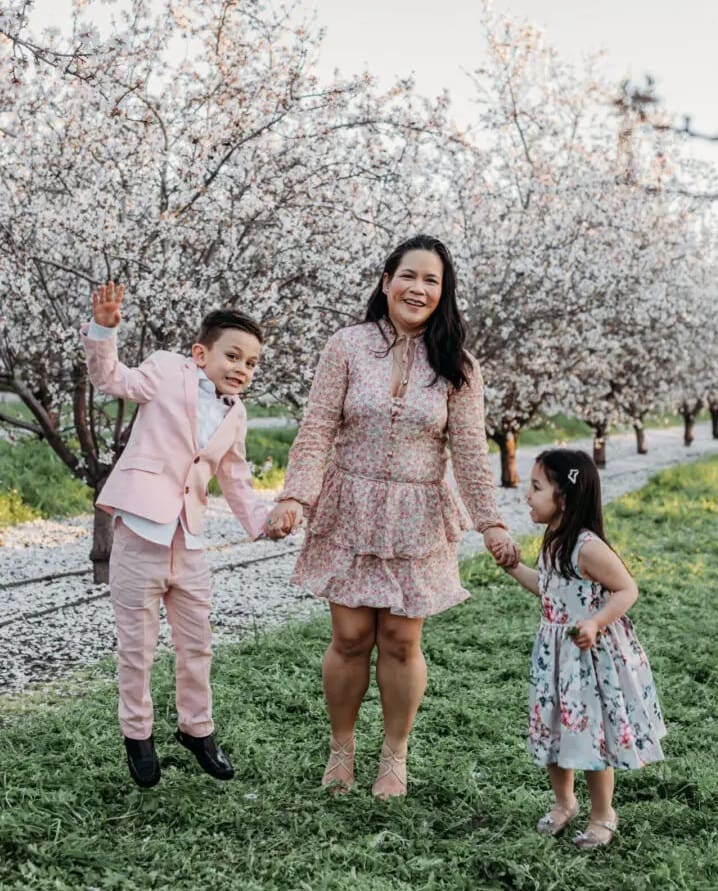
column 641, row 446
column 101, row 547
column 689, row 413
column 599, row 444
column 507, row 446
column 713, row 408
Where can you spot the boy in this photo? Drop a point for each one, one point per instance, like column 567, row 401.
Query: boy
column 190, row 426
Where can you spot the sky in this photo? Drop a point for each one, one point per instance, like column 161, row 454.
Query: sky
column 435, row 39
column 674, row 41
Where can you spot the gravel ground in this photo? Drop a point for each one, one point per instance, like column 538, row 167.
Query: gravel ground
column 52, row 626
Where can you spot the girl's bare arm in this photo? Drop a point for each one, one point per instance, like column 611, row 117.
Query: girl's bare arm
column 599, row 563
column 525, row 576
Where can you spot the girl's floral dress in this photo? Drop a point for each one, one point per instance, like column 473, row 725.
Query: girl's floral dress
column 589, row 709
column 383, row 525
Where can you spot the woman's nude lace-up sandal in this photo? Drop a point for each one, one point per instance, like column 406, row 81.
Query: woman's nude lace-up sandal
column 390, row 764
column 339, row 772
column 557, row 819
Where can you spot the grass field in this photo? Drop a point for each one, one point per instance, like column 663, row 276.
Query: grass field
column 70, row 818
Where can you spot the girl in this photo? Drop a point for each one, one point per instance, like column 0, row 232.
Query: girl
column 593, row 704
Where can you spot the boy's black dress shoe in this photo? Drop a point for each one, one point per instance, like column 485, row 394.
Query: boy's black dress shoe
column 209, row 755
column 142, row 761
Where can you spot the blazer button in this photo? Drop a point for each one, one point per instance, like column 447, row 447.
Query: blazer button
column 186, row 490
column 196, row 460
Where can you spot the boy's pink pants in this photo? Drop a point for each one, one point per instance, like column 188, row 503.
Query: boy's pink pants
column 142, row 574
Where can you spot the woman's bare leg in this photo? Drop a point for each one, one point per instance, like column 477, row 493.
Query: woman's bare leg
column 345, row 674
column 401, row 675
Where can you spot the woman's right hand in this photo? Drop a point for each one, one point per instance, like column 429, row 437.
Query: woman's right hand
column 286, row 515
column 106, row 305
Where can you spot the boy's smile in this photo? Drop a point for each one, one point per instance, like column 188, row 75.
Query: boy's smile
column 230, row 362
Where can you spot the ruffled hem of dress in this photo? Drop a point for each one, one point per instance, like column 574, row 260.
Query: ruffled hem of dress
column 653, row 757
column 386, row 518
column 415, row 588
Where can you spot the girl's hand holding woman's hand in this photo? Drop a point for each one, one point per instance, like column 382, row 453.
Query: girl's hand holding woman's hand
column 501, row 546
column 106, row 304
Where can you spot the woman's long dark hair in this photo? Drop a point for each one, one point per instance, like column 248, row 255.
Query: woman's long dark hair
column 445, row 329
column 577, row 483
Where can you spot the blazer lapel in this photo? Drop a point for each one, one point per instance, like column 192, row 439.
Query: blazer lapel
column 191, row 397
column 227, row 426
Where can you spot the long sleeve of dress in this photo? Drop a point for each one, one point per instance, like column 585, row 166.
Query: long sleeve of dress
column 470, row 452
column 312, row 446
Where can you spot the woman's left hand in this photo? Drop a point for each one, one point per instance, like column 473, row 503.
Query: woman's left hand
column 587, row 632
column 501, row 546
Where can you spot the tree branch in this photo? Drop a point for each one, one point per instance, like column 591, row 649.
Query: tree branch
column 23, row 425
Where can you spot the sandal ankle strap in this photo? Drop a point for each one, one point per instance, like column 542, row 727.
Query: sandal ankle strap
column 341, row 757
column 346, row 748
column 611, row 825
column 389, row 761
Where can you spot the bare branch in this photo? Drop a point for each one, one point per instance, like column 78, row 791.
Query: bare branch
column 22, row 425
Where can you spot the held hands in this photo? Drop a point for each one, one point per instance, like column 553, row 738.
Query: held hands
column 502, row 547
column 286, row 517
column 106, row 305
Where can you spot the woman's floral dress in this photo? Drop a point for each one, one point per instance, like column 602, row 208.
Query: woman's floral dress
column 589, row 709
column 383, row 526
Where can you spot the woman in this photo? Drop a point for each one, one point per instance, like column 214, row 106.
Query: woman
column 368, row 467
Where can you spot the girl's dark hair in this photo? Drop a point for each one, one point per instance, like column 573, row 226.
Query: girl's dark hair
column 576, row 481
column 445, row 329
column 215, row 322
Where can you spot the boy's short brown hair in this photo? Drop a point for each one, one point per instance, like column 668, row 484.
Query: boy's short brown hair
column 219, row 320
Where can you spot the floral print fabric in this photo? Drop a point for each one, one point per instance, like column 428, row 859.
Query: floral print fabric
column 589, row 709
column 383, row 525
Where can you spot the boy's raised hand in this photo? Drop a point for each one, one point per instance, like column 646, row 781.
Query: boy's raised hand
column 106, row 305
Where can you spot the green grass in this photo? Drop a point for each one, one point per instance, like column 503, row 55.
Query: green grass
column 70, row 818
column 552, row 429
column 557, row 428
column 255, row 410
column 13, row 509
column 43, row 483
column 274, row 443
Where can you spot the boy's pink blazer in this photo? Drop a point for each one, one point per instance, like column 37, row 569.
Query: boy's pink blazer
column 162, row 469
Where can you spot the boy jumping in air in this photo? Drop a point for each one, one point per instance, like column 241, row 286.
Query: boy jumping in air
column 190, row 426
